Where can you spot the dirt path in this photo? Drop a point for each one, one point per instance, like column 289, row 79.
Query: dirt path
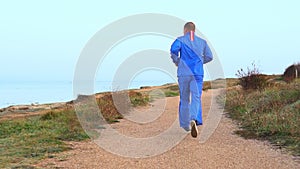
column 222, row 150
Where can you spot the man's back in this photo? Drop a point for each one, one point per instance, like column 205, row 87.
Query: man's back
column 194, row 52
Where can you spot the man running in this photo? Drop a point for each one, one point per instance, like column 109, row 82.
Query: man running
column 194, row 52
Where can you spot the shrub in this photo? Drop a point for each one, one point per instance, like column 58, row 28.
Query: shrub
column 111, row 104
column 108, row 109
column 291, row 73
column 252, row 78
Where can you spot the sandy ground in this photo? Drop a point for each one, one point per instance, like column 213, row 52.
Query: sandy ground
column 222, row 150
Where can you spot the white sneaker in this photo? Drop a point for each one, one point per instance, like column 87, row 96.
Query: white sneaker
column 194, row 131
column 187, row 129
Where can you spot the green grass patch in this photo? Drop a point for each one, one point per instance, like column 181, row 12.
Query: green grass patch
column 272, row 114
column 171, row 94
column 171, row 91
column 25, row 141
column 138, row 99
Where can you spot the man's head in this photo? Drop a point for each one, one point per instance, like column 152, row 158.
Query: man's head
column 189, row 26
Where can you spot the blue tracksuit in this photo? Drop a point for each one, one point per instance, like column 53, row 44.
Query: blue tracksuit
column 194, row 52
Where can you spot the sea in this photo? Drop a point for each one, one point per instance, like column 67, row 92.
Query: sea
column 24, row 93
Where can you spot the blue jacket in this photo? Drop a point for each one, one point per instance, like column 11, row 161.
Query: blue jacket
column 193, row 54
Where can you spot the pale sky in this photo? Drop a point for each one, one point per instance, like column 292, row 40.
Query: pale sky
column 42, row 40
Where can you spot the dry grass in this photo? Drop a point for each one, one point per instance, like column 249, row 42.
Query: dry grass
column 272, row 114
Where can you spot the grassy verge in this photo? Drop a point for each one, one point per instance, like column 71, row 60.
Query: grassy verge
column 272, row 114
column 25, row 141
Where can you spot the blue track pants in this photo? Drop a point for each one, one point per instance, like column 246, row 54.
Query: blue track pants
column 190, row 106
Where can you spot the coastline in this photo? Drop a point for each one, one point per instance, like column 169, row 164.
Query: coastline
column 25, row 110
column 15, row 93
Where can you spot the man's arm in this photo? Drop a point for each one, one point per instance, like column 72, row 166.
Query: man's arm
column 207, row 55
column 175, row 48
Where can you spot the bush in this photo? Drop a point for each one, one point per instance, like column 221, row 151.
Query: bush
column 111, row 104
column 252, row 78
column 291, row 73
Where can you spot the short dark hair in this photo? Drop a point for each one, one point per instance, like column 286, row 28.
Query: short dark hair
column 190, row 26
